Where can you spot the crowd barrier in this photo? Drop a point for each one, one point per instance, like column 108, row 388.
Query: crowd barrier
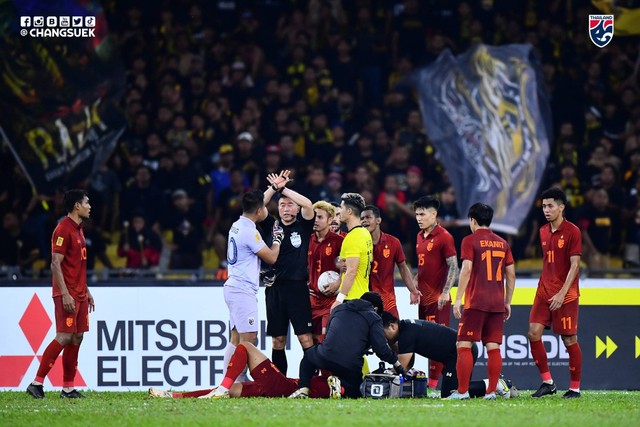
column 174, row 335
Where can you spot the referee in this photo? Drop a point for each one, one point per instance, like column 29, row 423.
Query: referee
column 287, row 291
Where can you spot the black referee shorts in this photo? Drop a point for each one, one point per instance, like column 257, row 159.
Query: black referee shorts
column 288, row 301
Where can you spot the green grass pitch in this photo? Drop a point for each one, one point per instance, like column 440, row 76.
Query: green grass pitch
column 595, row 408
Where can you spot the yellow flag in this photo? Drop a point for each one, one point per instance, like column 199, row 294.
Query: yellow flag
column 626, row 21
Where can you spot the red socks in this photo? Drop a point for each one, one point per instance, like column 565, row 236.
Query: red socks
column 435, row 369
column 236, row 365
column 575, row 365
column 494, row 367
column 464, row 366
column 69, row 364
column 540, row 358
column 48, row 359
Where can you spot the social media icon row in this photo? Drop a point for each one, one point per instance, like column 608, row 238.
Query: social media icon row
column 55, row 21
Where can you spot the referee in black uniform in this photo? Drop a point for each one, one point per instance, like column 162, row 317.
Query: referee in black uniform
column 287, row 290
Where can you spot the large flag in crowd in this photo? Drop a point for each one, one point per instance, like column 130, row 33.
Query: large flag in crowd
column 488, row 117
column 627, row 20
column 59, row 96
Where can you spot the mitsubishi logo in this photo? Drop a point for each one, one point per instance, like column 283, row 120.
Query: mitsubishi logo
column 35, row 325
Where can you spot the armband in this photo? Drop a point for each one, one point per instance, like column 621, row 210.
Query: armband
column 340, row 298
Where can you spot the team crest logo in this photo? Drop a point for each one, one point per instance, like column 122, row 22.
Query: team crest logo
column 296, row 240
column 386, row 252
column 251, row 321
column 69, row 322
column 328, row 250
column 430, row 246
column 561, row 242
column 601, row 29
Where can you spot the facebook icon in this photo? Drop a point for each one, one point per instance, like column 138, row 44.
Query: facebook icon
column 25, row 21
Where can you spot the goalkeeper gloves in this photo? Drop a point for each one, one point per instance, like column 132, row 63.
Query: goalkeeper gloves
column 278, row 233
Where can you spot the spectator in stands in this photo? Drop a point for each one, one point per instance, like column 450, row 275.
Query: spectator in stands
column 140, row 245
column 96, row 247
column 608, row 179
column 18, row 248
column 600, row 230
column 573, row 188
column 390, row 200
column 334, row 186
column 316, row 185
column 184, row 220
column 142, row 195
column 105, row 196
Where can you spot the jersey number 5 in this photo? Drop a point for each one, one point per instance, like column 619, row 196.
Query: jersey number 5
column 488, row 257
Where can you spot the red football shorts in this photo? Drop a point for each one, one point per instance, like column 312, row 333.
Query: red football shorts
column 71, row 322
column 431, row 313
column 564, row 319
column 476, row 325
column 268, row 381
column 319, row 319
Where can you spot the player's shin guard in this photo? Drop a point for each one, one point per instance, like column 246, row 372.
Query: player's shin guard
column 237, row 364
column 494, row 367
column 48, row 359
column 69, row 365
column 464, row 366
column 540, row 358
column 435, row 369
column 575, row 366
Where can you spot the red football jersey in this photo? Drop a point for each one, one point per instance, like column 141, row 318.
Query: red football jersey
column 557, row 249
column 386, row 254
column 490, row 255
column 321, row 257
column 68, row 239
column 432, row 253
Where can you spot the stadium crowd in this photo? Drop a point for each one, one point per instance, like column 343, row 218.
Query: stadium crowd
column 222, row 93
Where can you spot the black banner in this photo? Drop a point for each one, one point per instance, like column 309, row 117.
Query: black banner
column 59, row 94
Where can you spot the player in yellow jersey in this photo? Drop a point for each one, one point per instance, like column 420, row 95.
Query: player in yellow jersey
column 356, row 251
